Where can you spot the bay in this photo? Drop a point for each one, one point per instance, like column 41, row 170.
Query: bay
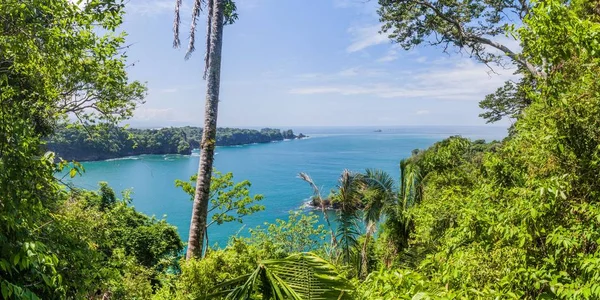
column 271, row 168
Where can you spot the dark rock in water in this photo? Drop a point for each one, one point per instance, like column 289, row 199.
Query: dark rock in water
column 378, row 130
column 328, row 204
column 315, row 203
column 301, row 136
column 288, row 134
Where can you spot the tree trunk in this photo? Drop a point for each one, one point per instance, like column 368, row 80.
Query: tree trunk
column 364, row 254
column 207, row 145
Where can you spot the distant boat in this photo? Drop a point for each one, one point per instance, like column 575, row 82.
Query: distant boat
column 378, row 130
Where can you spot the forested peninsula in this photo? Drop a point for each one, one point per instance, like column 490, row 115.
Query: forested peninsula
column 101, row 142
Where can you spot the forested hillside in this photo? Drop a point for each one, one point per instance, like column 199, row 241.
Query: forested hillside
column 104, row 142
column 514, row 219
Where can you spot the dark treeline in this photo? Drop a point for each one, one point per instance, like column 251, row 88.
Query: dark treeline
column 101, row 142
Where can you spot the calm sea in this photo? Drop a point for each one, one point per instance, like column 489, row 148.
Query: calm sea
column 272, row 168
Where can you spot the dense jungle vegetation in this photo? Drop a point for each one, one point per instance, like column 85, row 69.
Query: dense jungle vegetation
column 101, row 142
column 517, row 219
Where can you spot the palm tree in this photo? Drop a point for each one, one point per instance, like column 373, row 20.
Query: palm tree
column 380, row 198
column 381, row 194
column 212, row 70
column 298, row 276
column 374, row 193
column 349, row 200
column 399, row 223
column 411, row 191
column 317, row 196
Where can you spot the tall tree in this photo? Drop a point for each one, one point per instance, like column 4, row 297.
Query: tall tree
column 216, row 10
column 207, row 144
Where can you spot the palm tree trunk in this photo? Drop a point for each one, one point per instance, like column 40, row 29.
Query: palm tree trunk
column 364, row 254
column 207, row 145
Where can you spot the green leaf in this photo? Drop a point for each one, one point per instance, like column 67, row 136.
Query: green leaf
column 6, row 291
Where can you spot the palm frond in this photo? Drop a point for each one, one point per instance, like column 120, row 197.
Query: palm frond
column 176, row 24
column 380, row 188
column 317, row 194
column 231, row 287
column 210, row 9
column 347, row 234
column 310, row 276
column 312, row 184
column 349, row 191
column 411, row 190
column 379, row 179
column 195, row 14
column 298, row 276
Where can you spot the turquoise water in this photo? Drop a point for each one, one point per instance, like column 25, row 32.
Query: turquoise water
column 272, row 168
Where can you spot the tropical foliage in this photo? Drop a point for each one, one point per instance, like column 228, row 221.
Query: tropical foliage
column 518, row 218
column 56, row 60
column 229, row 201
column 300, row 233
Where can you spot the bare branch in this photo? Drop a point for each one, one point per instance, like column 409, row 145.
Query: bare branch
column 514, row 56
column 524, row 8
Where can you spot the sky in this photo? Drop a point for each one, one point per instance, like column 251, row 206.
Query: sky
column 301, row 63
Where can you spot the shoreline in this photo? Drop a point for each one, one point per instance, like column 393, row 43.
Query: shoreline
column 191, row 153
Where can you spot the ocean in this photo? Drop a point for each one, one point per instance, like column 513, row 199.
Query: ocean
column 271, row 168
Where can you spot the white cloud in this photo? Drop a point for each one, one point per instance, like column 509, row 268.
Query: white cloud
column 422, row 112
column 464, row 80
column 362, row 72
column 365, row 36
column 349, row 72
column 391, row 55
column 386, row 90
column 344, row 74
column 394, row 53
column 421, row 59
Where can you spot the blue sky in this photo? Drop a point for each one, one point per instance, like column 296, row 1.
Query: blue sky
column 301, row 63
